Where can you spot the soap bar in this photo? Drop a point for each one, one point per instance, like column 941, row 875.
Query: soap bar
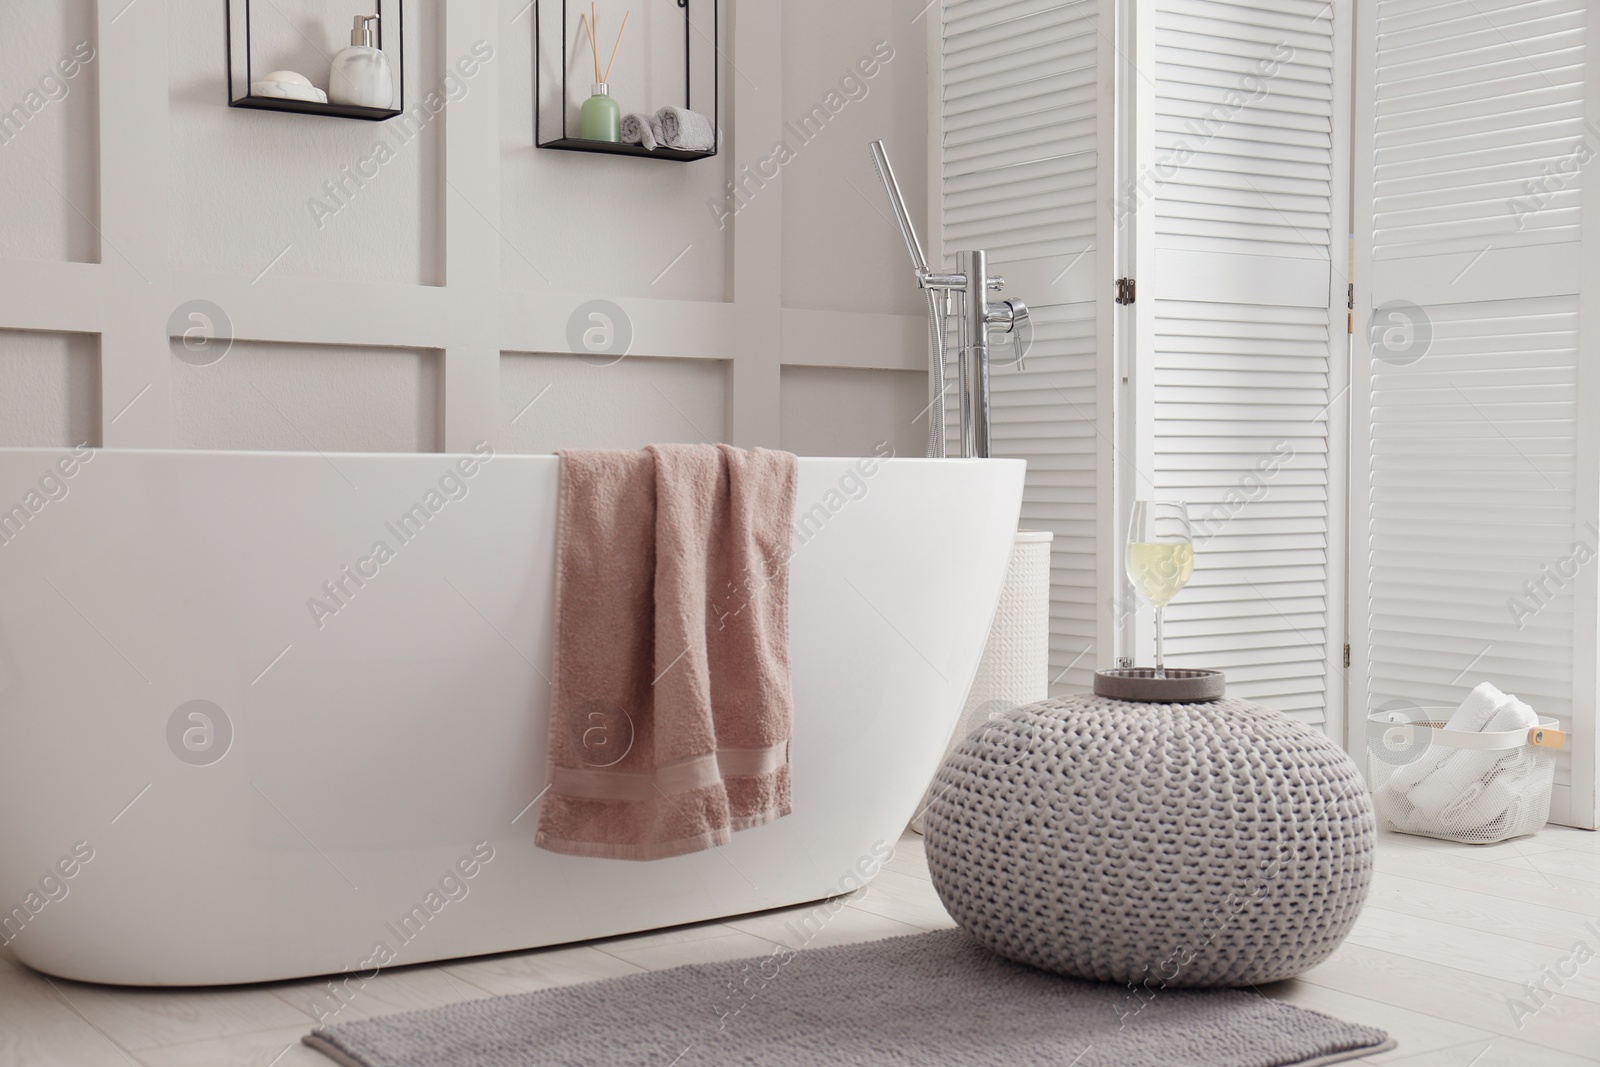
column 287, row 85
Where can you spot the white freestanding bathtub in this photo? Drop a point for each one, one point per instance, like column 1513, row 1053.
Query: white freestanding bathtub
column 206, row 778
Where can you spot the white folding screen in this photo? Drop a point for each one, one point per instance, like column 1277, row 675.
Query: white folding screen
column 1238, row 196
column 1022, row 164
column 1460, row 449
column 1475, row 469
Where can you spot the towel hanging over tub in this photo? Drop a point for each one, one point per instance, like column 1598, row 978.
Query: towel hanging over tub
column 671, row 719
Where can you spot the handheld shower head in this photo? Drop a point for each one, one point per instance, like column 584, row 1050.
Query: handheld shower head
column 880, row 161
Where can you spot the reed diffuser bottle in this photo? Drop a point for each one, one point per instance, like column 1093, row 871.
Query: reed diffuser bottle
column 600, row 118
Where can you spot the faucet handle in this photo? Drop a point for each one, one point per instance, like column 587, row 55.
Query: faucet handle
column 1014, row 317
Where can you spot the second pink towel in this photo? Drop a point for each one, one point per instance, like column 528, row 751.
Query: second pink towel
column 672, row 713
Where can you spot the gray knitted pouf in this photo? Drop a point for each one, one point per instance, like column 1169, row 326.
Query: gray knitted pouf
column 1155, row 844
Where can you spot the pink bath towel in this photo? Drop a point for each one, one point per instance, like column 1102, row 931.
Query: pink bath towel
column 671, row 719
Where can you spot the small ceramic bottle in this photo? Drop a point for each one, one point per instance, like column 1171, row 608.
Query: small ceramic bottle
column 361, row 74
column 600, row 119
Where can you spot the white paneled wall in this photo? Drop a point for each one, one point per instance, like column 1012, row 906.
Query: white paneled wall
column 50, row 384
column 294, row 397
column 421, row 301
column 48, row 85
column 831, row 411
column 832, row 195
column 560, row 401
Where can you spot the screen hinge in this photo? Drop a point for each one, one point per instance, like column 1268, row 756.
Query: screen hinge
column 1125, row 291
column 1350, row 316
column 1347, row 655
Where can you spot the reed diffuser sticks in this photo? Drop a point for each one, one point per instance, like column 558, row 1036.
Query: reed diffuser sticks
column 625, row 17
column 591, row 24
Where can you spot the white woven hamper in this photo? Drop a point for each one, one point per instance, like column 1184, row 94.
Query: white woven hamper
column 1015, row 669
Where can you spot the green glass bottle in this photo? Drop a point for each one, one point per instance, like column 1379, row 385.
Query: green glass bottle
column 600, row 118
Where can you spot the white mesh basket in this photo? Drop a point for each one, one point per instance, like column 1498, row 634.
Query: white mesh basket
column 1460, row 786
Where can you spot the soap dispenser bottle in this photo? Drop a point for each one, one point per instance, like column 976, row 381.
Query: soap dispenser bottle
column 361, row 74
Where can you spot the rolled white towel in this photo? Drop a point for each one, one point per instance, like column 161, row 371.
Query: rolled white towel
column 1469, row 788
column 1482, row 802
column 1473, row 715
column 1512, row 715
column 1394, row 810
column 1425, row 766
column 639, row 128
column 1517, row 780
column 685, row 130
column 1475, row 711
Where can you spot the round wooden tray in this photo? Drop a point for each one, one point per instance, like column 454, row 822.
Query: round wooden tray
column 1140, row 684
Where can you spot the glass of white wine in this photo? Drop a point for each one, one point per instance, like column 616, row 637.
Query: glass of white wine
column 1160, row 557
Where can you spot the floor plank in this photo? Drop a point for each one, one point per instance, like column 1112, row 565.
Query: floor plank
column 147, row 1018
column 731, row 945
column 828, row 923
column 1563, row 1023
column 1517, row 884
column 39, row 1029
column 905, row 899
column 1472, row 910
column 266, row 1048
column 1415, row 1030
column 1571, row 837
column 1498, row 1052
column 1584, row 866
column 525, row 972
column 1490, row 955
column 331, row 1001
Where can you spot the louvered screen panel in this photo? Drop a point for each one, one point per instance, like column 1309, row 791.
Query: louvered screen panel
column 1242, row 435
column 1245, row 216
column 1244, row 105
column 1022, row 124
column 1019, row 127
column 1472, row 483
column 1478, row 105
column 1467, row 513
column 1044, row 413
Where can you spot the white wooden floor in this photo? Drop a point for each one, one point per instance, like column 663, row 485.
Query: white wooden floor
column 1438, row 959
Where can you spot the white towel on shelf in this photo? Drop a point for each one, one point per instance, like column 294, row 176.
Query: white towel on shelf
column 639, row 128
column 685, row 130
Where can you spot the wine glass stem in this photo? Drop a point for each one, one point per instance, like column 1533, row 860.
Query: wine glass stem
column 1161, row 663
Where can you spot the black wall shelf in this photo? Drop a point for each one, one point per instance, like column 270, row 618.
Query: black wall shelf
column 244, row 99
column 614, row 148
column 698, row 56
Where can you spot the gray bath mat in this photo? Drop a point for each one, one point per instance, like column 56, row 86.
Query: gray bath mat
column 922, row 1001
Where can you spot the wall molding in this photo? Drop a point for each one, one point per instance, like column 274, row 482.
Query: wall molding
column 472, row 318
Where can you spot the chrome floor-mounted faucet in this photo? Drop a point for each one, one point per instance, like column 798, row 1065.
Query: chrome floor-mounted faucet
column 966, row 294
